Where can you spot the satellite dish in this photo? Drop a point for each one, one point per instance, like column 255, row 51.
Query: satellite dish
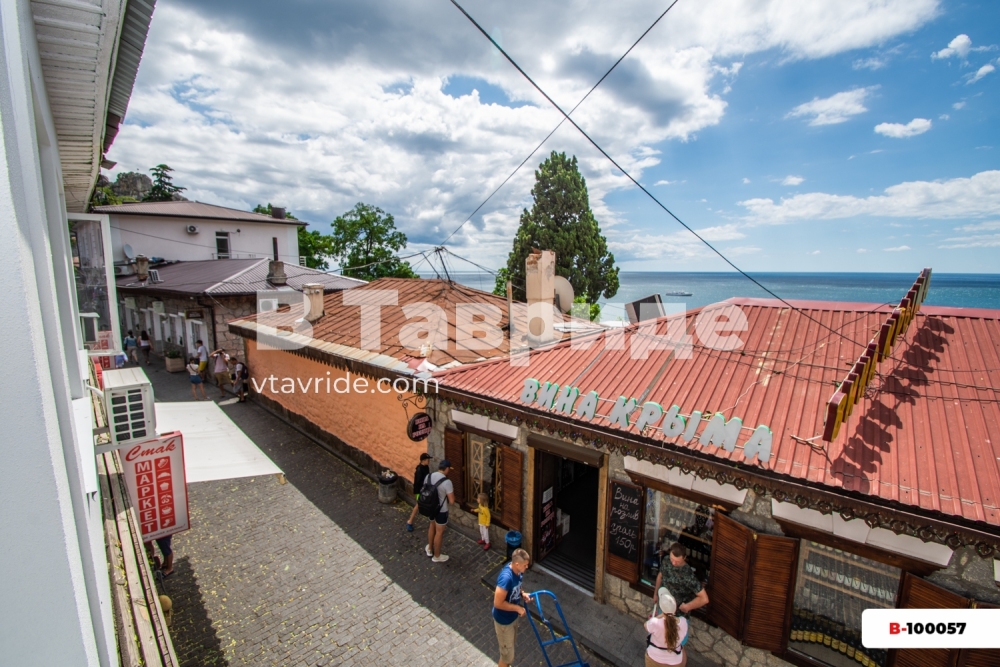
column 564, row 294
column 129, row 253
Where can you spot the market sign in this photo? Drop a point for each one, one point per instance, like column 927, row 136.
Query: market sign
column 419, row 427
column 718, row 431
column 154, row 475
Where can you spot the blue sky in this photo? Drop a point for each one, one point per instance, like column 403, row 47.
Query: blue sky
column 858, row 135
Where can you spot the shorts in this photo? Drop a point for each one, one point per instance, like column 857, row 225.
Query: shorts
column 164, row 544
column 195, row 379
column 202, row 365
column 442, row 520
column 506, row 635
column 222, row 378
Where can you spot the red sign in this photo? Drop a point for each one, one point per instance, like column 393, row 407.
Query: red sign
column 154, row 475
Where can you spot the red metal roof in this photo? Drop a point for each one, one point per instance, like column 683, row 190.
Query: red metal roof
column 923, row 435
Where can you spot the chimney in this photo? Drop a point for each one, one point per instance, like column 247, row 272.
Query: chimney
column 278, row 212
column 540, row 291
column 142, row 267
column 276, row 273
column 313, row 295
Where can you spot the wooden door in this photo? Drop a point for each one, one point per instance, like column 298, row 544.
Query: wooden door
column 511, row 478
column 916, row 593
column 769, row 595
column 454, row 451
column 732, row 552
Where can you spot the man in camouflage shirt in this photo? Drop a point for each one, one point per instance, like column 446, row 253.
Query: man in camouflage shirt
column 679, row 578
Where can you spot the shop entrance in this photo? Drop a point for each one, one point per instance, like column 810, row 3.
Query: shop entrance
column 565, row 521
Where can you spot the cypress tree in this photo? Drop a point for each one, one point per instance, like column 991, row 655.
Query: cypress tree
column 560, row 220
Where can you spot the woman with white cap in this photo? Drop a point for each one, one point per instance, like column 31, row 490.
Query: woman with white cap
column 667, row 633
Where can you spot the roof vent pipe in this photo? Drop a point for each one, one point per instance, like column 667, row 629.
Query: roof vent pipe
column 276, row 273
column 540, row 290
column 278, row 212
column 313, row 296
column 142, row 267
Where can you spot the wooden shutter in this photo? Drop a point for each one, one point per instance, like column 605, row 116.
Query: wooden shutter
column 979, row 657
column 915, row 593
column 732, row 547
column 769, row 597
column 511, row 462
column 454, row 451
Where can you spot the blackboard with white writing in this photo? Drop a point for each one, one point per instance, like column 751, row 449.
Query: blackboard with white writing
column 623, row 521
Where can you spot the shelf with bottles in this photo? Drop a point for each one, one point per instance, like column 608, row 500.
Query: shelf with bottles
column 849, row 574
column 809, row 628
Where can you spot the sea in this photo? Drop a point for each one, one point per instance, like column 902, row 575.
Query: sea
column 967, row 290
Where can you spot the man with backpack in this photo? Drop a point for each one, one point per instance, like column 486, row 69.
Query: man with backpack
column 419, row 475
column 435, row 496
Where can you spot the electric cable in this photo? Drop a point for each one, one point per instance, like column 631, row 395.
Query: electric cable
column 556, row 128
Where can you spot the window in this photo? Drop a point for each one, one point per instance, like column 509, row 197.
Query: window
column 222, row 245
column 671, row 519
column 832, row 588
column 480, row 466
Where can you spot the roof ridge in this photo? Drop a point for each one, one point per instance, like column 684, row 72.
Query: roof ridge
column 235, row 275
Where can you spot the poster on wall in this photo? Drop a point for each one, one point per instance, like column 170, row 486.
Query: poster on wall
column 623, row 521
column 154, row 475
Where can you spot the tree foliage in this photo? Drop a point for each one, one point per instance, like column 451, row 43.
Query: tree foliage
column 561, row 220
column 163, row 187
column 366, row 242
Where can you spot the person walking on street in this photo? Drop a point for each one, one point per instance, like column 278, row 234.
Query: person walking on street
column 221, row 371
column 166, row 566
column 667, row 633
column 131, row 347
column 508, row 606
column 144, row 345
column 241, row 373
column 202, row 353
column 679, row 578
column 419, row 475
column 196, row 381
column 483, row 511
column 446, row 495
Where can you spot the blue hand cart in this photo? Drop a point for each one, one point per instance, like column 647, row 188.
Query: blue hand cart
column 554, row 638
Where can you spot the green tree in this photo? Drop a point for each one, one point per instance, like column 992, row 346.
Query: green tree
column 365, row 243
column 561, row 220
column 163, row 187
column 500, row 286
column 313, row 246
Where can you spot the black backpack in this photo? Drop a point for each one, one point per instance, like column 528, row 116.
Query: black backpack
column 245, row 372
column 429, row 503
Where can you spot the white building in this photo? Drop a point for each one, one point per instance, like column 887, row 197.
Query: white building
column 192, row 231
column 66, row 73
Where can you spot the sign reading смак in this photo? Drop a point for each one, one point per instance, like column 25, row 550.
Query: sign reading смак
column 154, row 475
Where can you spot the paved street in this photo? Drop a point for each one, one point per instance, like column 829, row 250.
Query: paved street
column 316, row 571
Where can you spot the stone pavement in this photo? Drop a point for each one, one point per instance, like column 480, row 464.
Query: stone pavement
column 316, row 571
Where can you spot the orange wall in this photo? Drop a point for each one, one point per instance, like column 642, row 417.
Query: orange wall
column 374, row 423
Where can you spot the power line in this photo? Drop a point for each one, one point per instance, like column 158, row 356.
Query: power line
column 631, row 178
column 549, row 135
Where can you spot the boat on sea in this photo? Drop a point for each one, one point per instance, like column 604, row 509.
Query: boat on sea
column 677, row 293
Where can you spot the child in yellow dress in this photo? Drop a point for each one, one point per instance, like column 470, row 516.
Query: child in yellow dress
column 483, row 511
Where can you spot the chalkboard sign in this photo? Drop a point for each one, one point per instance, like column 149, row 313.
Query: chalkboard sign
column 623, row 521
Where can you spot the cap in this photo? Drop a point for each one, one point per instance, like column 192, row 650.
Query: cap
column 445, row 463
column 668, row 605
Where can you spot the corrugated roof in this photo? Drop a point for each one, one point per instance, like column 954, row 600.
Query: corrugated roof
column 923, row 434
column 192, row 209
column 231, row 277
column 341, row 324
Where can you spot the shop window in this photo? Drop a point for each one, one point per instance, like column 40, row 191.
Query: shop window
column 671, row 519
column 480, row 468
column 833, row 587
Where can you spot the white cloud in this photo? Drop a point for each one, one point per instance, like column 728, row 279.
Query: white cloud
column 869, row 63
column 815, row 252
column 992, row 225
column 792, row 180
column 862, row 251
column 302, row 107
column 960, row 46
column 664, row 183
column 973, row 197
column 958, row 105
column 900, row 131
column 980, row 73
column 978, row 235
column 834, row 109
column 899, row 248
column 944, row 116
column 745, row 180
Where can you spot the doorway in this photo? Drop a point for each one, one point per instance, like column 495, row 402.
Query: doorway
column 566, row 493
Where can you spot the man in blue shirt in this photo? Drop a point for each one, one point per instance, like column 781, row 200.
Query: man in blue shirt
column 507, row 606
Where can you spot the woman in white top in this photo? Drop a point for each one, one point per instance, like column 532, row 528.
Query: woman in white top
column 667, row 633
column 196, row 383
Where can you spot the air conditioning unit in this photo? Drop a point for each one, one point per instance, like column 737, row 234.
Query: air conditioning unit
column 192, row 229
column 128, row 402
column 154, row 276
column 124, row 269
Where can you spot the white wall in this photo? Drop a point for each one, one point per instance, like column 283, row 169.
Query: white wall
column 54, row 584
column 166, row 237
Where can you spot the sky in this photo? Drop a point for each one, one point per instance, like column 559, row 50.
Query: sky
column 830, row 135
